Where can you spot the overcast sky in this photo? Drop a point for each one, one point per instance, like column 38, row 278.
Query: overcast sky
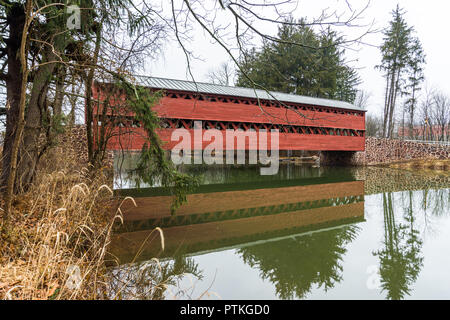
column 428, row 18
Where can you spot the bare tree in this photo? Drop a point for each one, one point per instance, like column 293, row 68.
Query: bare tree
column 243, row 25
column 441, row 115
column 362, row 99
column 373, row 125
column 222, row 75
column 426, row 114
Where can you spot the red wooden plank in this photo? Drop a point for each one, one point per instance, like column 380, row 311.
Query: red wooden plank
column 287, row 141
column 204, row 110
column 245, row 112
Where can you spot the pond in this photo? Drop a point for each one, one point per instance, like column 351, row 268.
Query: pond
column 306, row 233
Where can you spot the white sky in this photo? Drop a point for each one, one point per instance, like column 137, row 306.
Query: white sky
column 428, row 18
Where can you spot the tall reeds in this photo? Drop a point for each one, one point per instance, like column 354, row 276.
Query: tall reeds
column 60, row 230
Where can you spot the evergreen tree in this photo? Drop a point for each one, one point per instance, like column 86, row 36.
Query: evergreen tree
column 347, row 80
column 316, row 68
column 415, row 79
column 400, row 258
column 396, row 51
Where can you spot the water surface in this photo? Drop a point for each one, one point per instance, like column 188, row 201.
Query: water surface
column 306, row 233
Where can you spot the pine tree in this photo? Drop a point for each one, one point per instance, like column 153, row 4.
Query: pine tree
column 415, row 79
column 317, row 68
column 347, row 80
column 395, row 51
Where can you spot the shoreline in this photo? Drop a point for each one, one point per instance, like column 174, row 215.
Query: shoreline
column 421, row 164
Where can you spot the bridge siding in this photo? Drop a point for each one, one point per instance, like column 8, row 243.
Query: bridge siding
column 179, row 108
column 204, row 110
column 134, row 139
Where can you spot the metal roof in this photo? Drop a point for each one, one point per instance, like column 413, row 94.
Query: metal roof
column 209, row 88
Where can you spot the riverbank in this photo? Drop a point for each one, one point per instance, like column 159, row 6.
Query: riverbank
column 56, row 247
column 423, row 164
column 389, row 151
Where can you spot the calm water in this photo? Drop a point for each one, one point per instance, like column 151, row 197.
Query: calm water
column 307, row 233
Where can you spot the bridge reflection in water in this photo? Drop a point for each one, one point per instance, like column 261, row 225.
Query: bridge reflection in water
column 245, row 214
column 295, row 235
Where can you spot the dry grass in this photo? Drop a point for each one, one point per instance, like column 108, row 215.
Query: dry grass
column 59, row 236
column 59, row 239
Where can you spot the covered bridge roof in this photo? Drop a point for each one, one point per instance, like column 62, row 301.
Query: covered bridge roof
column 209, row 88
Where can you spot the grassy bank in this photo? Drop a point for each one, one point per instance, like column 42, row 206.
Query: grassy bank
column 60, row 230
column 423, row 164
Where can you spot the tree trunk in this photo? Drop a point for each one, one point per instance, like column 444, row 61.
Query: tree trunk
column 386, row 104
column 59, row 90
column 18, row 130
column 403, row 123
column 387, row 119
column 73, row 103
column 411, row 114
column 16, row 21
column 393, row 102
column 37, row 107
column 88, row 97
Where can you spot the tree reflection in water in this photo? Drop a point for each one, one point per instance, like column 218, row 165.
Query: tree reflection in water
column 400, row 259
column 294, row 265
column 151, row 280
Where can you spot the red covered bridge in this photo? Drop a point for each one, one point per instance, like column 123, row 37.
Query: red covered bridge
column 304, row 123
